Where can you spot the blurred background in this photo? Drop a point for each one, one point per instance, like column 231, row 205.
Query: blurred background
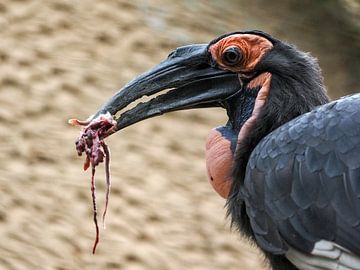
column 61, row 59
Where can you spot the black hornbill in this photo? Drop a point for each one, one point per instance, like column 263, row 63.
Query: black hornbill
column 287, row 160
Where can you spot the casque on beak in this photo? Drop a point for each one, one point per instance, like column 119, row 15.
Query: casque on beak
column 192, row 81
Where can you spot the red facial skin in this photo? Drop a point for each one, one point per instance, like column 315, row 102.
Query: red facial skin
column 252, row 47
column 219, row 157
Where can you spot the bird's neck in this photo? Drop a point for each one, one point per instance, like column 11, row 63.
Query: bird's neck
column 244, row 109
column 291, row 93
column 279, row 98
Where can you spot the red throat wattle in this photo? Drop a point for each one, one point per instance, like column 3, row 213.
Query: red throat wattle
column 219, row 160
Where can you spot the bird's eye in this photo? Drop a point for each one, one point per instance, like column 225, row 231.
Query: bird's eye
column 232, row 56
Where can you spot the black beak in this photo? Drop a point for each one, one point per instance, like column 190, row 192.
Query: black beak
column 189, row 77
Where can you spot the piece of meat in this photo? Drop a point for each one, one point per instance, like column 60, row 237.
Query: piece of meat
column 91, row 142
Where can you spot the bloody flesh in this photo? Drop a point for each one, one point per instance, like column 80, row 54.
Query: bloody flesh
column 91, row 142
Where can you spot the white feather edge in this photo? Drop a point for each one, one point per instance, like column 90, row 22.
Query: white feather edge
column 325, row 255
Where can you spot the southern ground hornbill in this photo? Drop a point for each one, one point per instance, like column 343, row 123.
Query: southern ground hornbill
column 287, row 160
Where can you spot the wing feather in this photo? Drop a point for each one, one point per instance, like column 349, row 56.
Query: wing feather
column 302, row 183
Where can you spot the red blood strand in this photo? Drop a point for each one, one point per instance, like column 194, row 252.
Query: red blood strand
column 93, row 193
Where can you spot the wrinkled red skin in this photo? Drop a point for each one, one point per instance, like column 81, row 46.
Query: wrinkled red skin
column 91, row 142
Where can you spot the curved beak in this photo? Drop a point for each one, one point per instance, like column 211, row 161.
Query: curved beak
column 189, row 77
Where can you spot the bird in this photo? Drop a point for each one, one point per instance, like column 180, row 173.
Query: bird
column 288, row 159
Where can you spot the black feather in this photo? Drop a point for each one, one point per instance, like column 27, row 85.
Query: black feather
column 324, row 201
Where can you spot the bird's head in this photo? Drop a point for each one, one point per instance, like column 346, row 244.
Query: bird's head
column 259, row 80
column 200, row 75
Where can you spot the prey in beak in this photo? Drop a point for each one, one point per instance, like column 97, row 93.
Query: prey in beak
column 191, row 78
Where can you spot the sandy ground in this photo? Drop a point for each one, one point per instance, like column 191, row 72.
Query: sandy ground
column 62, row 59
